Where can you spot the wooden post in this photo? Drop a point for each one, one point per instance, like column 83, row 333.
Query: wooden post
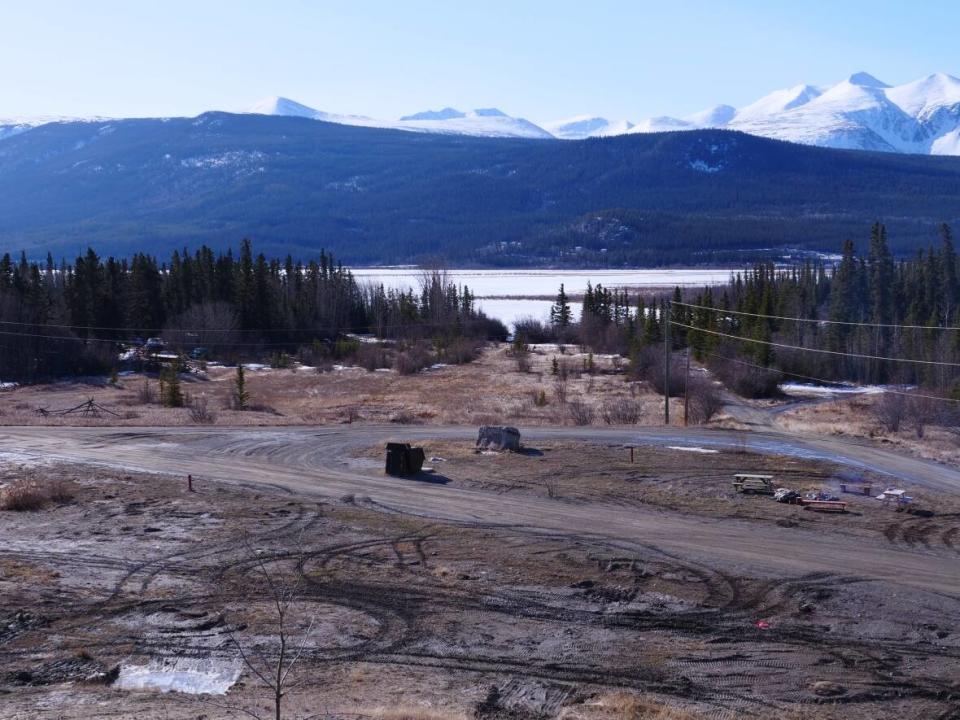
column 666, row 363
column 190, row 483
column 631, row 454
column 686, row 388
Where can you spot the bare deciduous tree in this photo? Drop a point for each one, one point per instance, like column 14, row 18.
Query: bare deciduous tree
column 273, row 669
column 621, row 411
column 890, row 410
column 704, row 400
column 580, row 412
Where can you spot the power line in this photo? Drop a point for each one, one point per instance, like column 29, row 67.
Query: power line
column 830, row 382
column 815, row 320
column 370, row 328
column 816, row 350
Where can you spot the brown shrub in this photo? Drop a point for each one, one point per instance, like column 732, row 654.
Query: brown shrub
column 621, row 411
column 704, row 400
column 580, row 412
column 412, row 360
column 24, row 496
column 200, row 411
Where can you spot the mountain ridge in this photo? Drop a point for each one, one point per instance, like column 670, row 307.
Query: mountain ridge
column 375, row 195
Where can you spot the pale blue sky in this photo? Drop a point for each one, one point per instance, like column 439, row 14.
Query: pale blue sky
column 540, row 60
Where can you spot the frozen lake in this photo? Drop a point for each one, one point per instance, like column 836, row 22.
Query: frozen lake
column 519, row 293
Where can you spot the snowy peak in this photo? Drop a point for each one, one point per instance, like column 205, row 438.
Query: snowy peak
column 484, row 122
column 584, row 126
column 779, row 101
column 448, row 113
column 926, row 95
column 712, row 117
column 859, row 113
column 864, row 79
column 281, row 106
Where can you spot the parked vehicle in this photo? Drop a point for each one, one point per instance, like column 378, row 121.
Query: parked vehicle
column 154, row 344
column 749, row 483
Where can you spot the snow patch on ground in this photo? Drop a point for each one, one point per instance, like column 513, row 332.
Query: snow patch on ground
column 194, row 676
column 813, row 389
column 22, row 459
column 686, row 448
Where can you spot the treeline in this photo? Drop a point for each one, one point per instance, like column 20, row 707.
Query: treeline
column 72, row 318
column 867, row 319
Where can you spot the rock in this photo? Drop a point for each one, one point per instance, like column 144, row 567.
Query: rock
column 826, row 688
column 497, row 437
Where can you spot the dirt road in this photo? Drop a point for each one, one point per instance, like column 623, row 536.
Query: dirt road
column 317, row 463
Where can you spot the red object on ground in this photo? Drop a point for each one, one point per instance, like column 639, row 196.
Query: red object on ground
column 763, row 624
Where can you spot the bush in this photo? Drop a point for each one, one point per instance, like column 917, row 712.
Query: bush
column 532, row 330
column 146, row 394
column 889, row 411
column 621, row 411
column 647, row 364
column 748, row 382
column 200, row 412
column 581, row 412
column 460, row 351
column 29, row 496
column 704, row 400
column 412, row 360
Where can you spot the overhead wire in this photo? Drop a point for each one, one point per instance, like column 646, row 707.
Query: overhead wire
column 815, row 320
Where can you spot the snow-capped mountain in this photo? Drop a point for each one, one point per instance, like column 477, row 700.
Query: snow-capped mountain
column 14, row 126
column 489, row 122
column 584, row 126
column 859, row 113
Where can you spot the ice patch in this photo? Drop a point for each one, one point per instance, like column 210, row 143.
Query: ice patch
column 8, row 385
column 686, row 448
column 194, row 676
column 812, row 389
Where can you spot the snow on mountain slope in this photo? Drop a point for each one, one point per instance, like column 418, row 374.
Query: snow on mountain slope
column 584, row 126
column 489, row 122
column 14, row 126
column 715, row 116
column 859, row 113
column 778, row 101
column 448, row 113
column 854, row 114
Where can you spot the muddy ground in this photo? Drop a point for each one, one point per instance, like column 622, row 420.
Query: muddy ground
column 136, row 577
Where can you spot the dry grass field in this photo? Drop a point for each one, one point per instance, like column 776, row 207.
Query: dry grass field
column 491, row 389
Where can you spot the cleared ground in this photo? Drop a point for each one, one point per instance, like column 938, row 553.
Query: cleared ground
column 539, row 584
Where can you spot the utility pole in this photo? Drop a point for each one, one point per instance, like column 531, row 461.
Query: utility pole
column 686, row 388
column 666, row 363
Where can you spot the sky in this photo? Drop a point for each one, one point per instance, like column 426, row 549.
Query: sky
column 539, row 60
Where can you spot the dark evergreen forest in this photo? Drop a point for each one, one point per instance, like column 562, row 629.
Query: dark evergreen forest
column 73, row 318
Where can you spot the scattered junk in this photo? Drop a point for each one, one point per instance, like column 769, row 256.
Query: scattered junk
column 87, row 409
column 856, row 489
column 786, row 495
column 821, row 500
column 403, row 460
column 750, row 484
column 895, row 495
column 498, row 438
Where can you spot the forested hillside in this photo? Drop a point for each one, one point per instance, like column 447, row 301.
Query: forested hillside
column 380, row 196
